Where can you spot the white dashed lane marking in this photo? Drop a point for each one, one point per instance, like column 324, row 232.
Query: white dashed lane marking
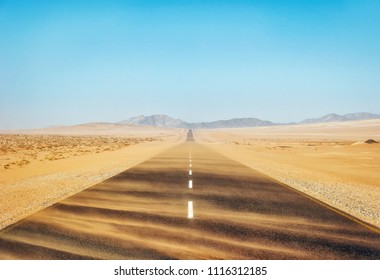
column 190, row 211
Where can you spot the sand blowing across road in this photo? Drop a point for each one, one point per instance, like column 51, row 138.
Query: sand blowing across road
column 152, row 211
column 329, row 161
column 39, row 168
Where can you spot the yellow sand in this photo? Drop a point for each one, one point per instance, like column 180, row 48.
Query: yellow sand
column 330, row 161
column 39, row 170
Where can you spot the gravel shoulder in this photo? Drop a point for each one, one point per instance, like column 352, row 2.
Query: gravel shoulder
column 29, row 188
column 344, row 175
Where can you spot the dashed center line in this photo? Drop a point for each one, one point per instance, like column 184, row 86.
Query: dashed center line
column 190, row 211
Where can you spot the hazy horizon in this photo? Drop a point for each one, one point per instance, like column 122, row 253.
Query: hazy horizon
column 199, row 122
column 64, row 62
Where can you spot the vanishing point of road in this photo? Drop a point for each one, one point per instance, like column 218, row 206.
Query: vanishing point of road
column 189, row 202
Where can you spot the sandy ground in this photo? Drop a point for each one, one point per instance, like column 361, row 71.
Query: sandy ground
column 330, row 162
column 39, row 170
column 143, row 213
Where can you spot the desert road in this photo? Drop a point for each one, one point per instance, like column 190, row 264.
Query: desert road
column 189, row 203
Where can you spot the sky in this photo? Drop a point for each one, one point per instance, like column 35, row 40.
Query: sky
column 71, row 62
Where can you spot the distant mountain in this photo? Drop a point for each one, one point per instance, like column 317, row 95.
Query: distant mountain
column 237, row 122
column 155, row 120
column 169, row 122
column 166, row 121
column 342, row 118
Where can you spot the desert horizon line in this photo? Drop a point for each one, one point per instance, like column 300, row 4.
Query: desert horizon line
column 165, row 120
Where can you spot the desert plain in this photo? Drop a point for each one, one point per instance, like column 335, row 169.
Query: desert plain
column 41, row 167
column 330, row 162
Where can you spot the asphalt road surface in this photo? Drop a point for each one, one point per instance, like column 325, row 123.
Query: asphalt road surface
column 189, row 203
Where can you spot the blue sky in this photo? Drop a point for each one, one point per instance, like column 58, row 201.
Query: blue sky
column 70, row 62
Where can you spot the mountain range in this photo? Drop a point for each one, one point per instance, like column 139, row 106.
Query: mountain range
column 342, row 118
column 166, row 121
